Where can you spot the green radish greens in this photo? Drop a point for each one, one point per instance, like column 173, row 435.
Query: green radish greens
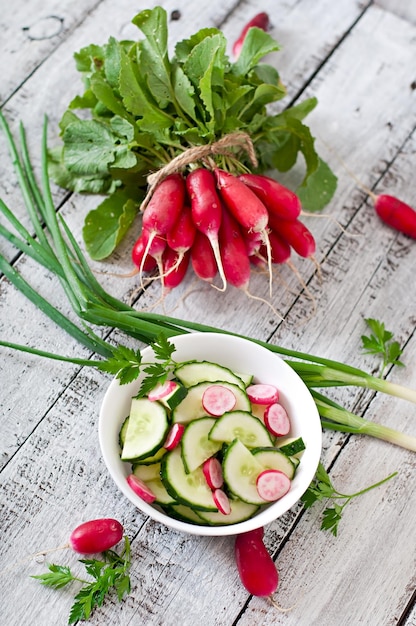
column 141, row 107
column 56, row 249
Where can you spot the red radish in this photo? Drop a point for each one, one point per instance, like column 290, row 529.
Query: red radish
column 262, row 393
column 96, row 536
column 280, row 249
column 181, row 237
column 206, row 209
column 245, row 206
column 163, row 208
column 137, row 255
column 162, row 390
column 140, row 488
column 242, row 203
column 261, row 20
column 396, row 214
column 221, row 501
column 212, row 470
column 174, row 436
column 234, row 256
column 255, row 566
column 153, row 248
column 297, row 235
column 173, row 272
column 253, row 241
column 277, row 420
column 278, row 199
column 272, row 484
column 217, row 400
column 202, row 258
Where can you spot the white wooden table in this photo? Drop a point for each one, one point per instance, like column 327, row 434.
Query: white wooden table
column 358, row 58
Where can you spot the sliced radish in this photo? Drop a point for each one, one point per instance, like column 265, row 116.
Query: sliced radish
column 272, row 484
column 162, row 390
column 218, row 399
column 174, row 436
column 262, row 393
column 221, row 501
column 277, row 420
column 140, row 488
column 213, row 473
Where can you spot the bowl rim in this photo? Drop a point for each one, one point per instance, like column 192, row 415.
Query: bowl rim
column 185, row 343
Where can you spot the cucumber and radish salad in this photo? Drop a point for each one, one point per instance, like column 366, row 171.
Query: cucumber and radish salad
column 210, row 446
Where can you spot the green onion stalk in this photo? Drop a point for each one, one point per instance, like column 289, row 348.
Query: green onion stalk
column 54, row 247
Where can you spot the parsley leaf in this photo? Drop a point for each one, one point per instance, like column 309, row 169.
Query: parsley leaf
column 322, row 488
column 125, row 364
column 110, row 573
column 380, row 343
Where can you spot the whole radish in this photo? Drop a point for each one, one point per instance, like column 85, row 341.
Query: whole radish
column 245, row 207
column 96, row 536
column 278, row 199
column 234, row 256
column 395, row 213
column 261, row 20
column 206, row 210
column 203, row 259
column 255, row 566
column 163, row 209
column 138, row 251
column 181, row 237
column 173, row 270
column 296, row 234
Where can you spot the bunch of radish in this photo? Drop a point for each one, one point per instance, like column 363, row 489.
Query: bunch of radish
column 221, row 224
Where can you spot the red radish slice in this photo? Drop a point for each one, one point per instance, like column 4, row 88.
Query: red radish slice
column 96, row 536
column 262, row 393
column 140, row 488
column 221, row 501
column 174, row 436
column 213, row 473
column 277, row 420
column 272, row 484
column 162, row 390
column 218, row 399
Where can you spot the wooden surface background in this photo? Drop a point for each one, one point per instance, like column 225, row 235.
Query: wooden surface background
column 359, row 59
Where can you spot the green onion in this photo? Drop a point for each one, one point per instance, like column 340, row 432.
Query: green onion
column 61, row 255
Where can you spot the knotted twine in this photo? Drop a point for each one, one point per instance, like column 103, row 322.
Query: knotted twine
column 199, row 153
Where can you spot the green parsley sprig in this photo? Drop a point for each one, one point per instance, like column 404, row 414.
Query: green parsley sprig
column 110, row 574
column 380, row 343
column 322, row 488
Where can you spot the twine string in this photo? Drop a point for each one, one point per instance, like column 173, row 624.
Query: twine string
column 199, row 153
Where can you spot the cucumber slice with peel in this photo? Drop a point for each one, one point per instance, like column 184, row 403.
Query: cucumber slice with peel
column 196, row 446
column 191, row 373
column 146, row 429
column 241, row 468
column 272, row 458
column 190, row 489
column 191, row 407
column 240, row 425
column 240, row 511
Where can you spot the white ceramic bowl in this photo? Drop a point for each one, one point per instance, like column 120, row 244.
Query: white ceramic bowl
column 243, row 356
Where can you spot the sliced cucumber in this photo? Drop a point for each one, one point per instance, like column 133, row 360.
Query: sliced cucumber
column 272, row 458
column 162, row 496
column 191, row 407
column 292, row 446
column 240, row 511
column 151, row 460
column 246, row 378
column 196, row 446
column 122, row 433
column 191, row 373
column 241, row 425
column 183, row 513
column 146, row 429
column 241, row 469
column 146, row 472
column 190, row 489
